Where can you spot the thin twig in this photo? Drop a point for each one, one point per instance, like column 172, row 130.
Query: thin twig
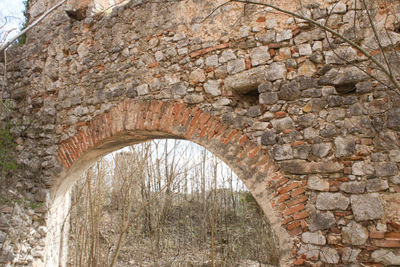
column 377, row 39
column 4, row 46
column 350, row 42
column 215, row 9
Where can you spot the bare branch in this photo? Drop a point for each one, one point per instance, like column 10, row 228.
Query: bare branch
column 5, row 35
column 377, row 38
column 4, row 46
column 316, row 23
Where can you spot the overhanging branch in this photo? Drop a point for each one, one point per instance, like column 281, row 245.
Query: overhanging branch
column 7, row 44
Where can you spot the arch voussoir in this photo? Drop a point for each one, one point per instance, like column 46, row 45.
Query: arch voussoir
column 174, row 118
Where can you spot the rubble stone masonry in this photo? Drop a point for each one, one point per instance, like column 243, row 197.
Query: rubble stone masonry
column 290, row 108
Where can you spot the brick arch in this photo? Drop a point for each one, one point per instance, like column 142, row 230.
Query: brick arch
column 137, row 121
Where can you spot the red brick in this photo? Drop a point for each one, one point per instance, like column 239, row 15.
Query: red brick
column 301, row 215
column 271, row 52
column 297, row 143
column 204, row 118
column 284, row 197
column 254, row 152
column 287, row 131
column 286, row 220
column 274, row 45
column 245, row 151
column 377, row 235
column 392, row 236
column 342, row 213
column 209, row 69
column 347, row 170
column 243, row 139
column 247, row 63
column 280, row 114
column 304, row 225
column 153, row 65
column 297, row 200
column 281, row 207
column 297, row 192
column 282, row 181
column 289, row 187
column 294, row 209
column 209, row 49
column 261, row 19
column 177, row 112
column 294, row 225
column 263, row 160
column 219, row 131
column 335, row 230
column 298, row 262
column 209, row 127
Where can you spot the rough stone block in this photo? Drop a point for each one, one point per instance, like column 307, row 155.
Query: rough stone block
column 329, row 255
column 349, row 255
column 394, row 155
column 366, row 207
column 197, row 76
column 301, row 152
column 316, row 183
column 304, row 49
column 321, row 150
column 304, row 167
column 289, row 91
column 315, row 238
column 259, row 55
column 332, row 201
column 268, row 98
column 310, row 251
column 345, row 75
column 227, row 55
column 212, row 87
column 386, row 169
column 386, row 257
column 275, row 71
column 362, row 168
column 283, row 124
column 353, row 187
column 321, row 221
column 394, row 119
column 235, row 66
column 355, row 234
column 246, row 81
column 178, row 89
column 345, row 146
column 268, row 138
column 375, row 185
column 282, row 152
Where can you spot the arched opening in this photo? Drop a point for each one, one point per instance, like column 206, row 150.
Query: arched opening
column 166, row 203
column 135, row 122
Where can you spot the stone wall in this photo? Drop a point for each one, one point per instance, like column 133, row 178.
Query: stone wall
column 313, row 137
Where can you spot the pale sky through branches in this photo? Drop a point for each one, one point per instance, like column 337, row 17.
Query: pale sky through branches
column 11, row 16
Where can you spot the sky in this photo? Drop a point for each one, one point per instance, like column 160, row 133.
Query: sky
column 11, row 16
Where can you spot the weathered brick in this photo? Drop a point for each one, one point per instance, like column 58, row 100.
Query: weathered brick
column 294, row 209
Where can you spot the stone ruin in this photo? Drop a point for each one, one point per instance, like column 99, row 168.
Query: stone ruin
column 305, row 120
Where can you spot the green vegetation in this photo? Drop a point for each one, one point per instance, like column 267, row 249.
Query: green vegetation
column 7, row 146
column 22, row 39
